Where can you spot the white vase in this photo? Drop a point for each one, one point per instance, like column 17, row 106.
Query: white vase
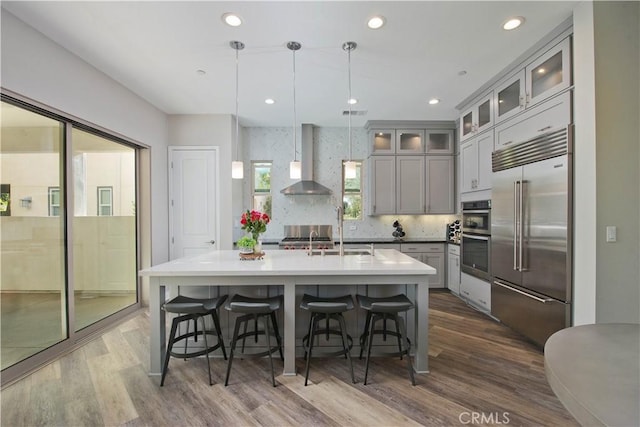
column 258, row 247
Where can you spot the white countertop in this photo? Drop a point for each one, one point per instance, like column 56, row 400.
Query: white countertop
column 291, row 263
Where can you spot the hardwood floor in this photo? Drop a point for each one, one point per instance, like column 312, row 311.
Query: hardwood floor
column 480, row 373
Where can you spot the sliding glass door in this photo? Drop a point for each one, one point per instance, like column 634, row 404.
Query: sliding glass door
column 68, row 238
column 104, row 227
column 33, row 280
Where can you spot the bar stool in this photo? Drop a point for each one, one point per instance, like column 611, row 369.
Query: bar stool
column 383, row 309
column 193, row 309
column 254, row 309
column 328, row 309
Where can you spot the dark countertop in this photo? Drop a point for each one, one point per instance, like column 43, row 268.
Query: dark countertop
column 377, row 240
column 364, row 240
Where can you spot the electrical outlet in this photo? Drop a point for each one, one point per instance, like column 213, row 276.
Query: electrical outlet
column 353, row 227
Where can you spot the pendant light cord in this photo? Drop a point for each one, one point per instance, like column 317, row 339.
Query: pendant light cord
column 237, row 100
column 295, row 138
column 349, row 101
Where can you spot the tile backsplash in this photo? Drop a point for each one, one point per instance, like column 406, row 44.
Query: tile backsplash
column 330, row 148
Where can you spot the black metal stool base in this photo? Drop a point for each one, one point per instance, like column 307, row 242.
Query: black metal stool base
column 174, row 338
column 255, row 309
column 327, row 309
column 385, row 309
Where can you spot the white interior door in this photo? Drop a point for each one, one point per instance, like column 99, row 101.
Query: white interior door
column 193, row 200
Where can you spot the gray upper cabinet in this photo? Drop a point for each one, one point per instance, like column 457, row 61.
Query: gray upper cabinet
column 383, row 141
column 439, row 141
column 396, row 141
column 382, row 185
column 477, row 118
column 410, row 185
column 475, row 159
column 409, row 141
column 411, row 167
column 441, row 194
column 548, row 74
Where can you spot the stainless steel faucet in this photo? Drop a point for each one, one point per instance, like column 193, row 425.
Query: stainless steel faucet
column 310, row 253
column 340, row 228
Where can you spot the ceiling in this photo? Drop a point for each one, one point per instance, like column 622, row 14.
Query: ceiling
column 155, row 48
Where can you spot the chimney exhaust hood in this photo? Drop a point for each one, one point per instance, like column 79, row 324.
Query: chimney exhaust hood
column 307, row 186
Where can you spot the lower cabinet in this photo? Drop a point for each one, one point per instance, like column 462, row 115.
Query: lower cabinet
column 453, row 268
column 431, row 254
column 477, row 292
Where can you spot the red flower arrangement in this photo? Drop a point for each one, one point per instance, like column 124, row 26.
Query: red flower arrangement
column 254, row 222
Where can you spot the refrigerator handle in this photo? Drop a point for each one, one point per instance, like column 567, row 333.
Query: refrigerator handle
column 542, row 300
column 515, row 225
column 521, row 231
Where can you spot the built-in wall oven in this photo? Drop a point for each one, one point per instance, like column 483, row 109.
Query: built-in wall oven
column 476, row 239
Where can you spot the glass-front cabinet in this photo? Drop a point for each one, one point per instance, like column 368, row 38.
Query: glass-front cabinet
column 510, row 96
column 439, row 141
column 409, row 141
column 477, row 118
column 383, row 141
column 547, row 75
column 550, row 73
column 396, row 141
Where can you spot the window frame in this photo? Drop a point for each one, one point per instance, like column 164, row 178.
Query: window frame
column 50, row 192
column 262, row 193
column 99, row 203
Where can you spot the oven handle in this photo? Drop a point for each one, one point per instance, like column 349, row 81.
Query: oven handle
column 475, row 236
column 483, row 211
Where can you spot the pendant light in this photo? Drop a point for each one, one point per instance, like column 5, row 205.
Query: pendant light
column 295, row 167
column 237, row 167
column 350, row 165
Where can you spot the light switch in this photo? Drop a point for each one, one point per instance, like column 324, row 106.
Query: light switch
column 611, row 233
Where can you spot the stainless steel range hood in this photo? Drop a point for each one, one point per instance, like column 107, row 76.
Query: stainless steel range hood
column 307, row 186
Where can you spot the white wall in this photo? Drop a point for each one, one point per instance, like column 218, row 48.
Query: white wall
column 617, row 77
column 607, row 160
column 35, row 67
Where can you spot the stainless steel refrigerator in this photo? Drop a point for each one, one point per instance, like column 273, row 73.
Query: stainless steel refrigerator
column 531, row 235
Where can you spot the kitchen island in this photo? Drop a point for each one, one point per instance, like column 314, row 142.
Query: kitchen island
column 290, row 269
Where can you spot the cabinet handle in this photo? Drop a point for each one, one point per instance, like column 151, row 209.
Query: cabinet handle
column 507, row 143
column 544, row 128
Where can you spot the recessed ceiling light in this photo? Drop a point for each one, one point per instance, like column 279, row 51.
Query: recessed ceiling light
column 513, row 23
column 434, row 101
column 376, row 22
column 232, row 19
column 352, row 101
column 269, row 101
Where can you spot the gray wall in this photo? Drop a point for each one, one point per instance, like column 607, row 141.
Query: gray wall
column 617, row 59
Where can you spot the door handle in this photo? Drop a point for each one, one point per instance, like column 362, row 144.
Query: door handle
column 542, row 300
column 213, row 242
column 515, row 225
column 522, row 208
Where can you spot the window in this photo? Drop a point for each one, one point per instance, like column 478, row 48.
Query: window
column 54, row 201
column 261, row 186
column 105, row 201
column 352, row 194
